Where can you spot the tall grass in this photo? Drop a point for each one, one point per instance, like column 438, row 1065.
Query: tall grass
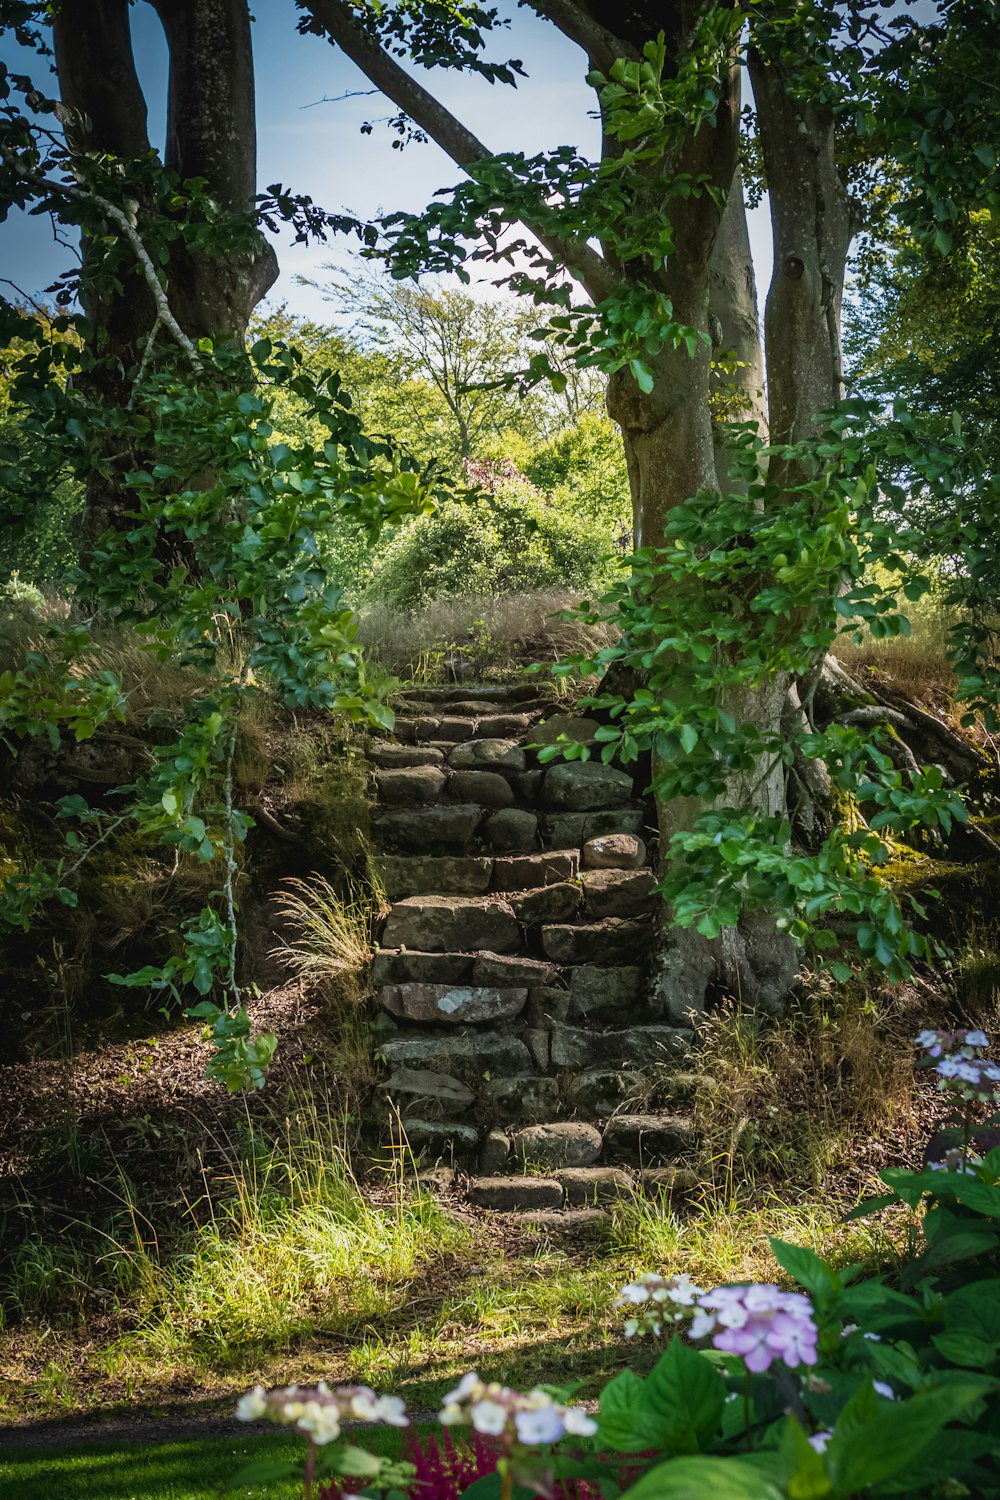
column 476, row 636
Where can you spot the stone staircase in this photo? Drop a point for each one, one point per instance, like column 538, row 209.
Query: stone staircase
column 511, row 972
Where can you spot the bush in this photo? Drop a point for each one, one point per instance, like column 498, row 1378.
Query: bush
column 508, row 543
column 583, row 469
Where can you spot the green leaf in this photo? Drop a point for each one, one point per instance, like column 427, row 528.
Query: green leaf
column 688, row 737
column 264, row 1471
column 874, row 1451
column 806, row 1266
column 687, row 1393
column 703, row 1479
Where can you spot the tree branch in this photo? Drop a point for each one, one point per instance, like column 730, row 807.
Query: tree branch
column 448, row 132
column 119, row 218
column 600, row 45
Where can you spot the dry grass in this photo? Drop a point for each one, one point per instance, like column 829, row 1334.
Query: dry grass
column 330, row 936
column 476, row 636
column 916, row 663
column 817, row 1102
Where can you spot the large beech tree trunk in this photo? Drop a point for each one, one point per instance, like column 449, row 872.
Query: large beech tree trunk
column 211, row 134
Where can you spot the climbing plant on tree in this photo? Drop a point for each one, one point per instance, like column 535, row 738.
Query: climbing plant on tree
column 201, row 531
column 756, row 521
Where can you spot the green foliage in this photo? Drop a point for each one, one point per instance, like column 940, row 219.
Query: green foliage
column 246, row 600
column 583, row 472
column 507, row 543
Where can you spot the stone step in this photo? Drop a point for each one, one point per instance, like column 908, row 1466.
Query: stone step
column 592, row 1186
column 463, row 708
column 451, row 1004
column 613, row 939
column 451, row 824
column 521, row 872
column 646, row 1140
column 568, row 1143
column 390, row 756
column 581, row 1050
column 487, row 755
column 492, row 692
column 428, row 875
column 411, row 786
column 618, row 893
column 530, row 1100
column 488, row 788
column 505, row 1194
column 573, row 829
column 451, row 728
column 564, row 1224
column 511, row 830
column 442, row 924
column 462, row 1055
column 586, row 786
column 548, row 903
column 435, row 1140
column 597, row 1093
column 601, row 991
column 403, row 965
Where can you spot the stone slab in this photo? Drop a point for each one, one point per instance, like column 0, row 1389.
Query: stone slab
column 430, row 874
column 488, row 788
column 391, row 756
column 614, row 851
column 585, row 786
column 508, row 1194
column 464, row 1055
column 422, row 1083
column 511, row 830
column 439, row 1138
column 492, row 755
column 390, row 966
column 618, row 893
column 570, row 1222
column 522, row 872
column 422, row 828
column 439, row 924
column 410, row 786
column 534, row 1099
column 610, row 941
column 451, row 1005
column 597, row 990
column 548, row 903
column 600, row 1092
column 645, row 1139
column 641, row 1046
column 547, row 1006
column 593, row 1185
column 499, row 969
column 569, row 1143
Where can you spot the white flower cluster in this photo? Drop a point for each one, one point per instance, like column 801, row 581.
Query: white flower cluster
column 496, row 1411
column 660, row 1300
column 319, row 1413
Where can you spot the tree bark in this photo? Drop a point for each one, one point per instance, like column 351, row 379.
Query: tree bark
column 210, row 134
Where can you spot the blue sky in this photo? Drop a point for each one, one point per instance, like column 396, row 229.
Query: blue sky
column 317, row 148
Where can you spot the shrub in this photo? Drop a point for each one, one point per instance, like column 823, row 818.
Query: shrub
column 507, row 543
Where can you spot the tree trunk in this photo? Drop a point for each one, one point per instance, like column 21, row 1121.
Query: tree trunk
column 210, row 134
column 673, row 448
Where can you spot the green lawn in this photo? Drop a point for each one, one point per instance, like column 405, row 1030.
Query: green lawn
column 191, row 1469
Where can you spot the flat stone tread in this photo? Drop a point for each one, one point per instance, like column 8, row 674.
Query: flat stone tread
column 390, row 756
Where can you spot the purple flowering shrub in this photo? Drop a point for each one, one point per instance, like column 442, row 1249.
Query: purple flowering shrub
column 848, row 1386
